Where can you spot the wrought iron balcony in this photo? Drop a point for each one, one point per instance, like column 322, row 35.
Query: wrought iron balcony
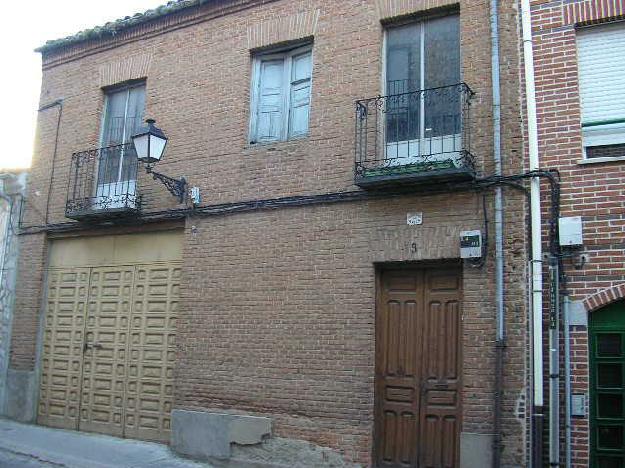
column 103, row 183
column 414, row 137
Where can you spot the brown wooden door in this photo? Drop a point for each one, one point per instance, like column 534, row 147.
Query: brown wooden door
column 418, row 358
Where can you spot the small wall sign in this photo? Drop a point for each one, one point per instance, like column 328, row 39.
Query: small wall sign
column 414, row 219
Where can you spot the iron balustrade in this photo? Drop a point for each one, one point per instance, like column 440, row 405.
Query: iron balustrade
column 410, row 135
column 103, row 182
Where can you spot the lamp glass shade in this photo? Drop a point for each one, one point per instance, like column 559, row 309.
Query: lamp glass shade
column 149, row 143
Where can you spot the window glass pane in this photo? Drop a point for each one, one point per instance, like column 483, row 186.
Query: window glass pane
column 610, row 437
column 606, row 151
column 610, row 375
column 609, row 344
column 442, row 68
column 136, row 109
column 129, row 163
column 403, row 76
column 134, row 119
column 442, row 51
column 270, row 113
column 610, row 462
column 610, row 405
column 403, row 59
column 108, row 165
column 113, row 133
column 124, row 114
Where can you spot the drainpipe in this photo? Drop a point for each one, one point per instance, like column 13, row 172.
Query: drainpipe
column 554, row 363
column 500, row 339
column 536, row 222
column 566, row 304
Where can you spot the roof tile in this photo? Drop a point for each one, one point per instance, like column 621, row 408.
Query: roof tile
column 113, row 27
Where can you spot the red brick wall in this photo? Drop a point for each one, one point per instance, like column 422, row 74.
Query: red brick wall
column 593, row 191
column 277, row 307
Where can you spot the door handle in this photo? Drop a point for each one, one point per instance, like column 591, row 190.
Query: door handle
column 95, row 345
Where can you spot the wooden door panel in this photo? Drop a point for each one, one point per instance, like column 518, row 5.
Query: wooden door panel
column 149, row 396
column 440, row 409
column 59, row 397
column 417, row 368
column 109, row 337
column 104, row 373
column 397, row 372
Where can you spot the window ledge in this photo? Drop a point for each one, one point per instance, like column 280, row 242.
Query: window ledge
column 600, row 160
column 274, row 145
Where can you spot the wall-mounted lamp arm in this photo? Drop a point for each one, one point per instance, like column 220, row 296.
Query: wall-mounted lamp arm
column 177, row 187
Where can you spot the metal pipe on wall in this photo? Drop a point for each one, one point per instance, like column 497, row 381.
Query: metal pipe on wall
column 536, row 223
column 566, row 307
column 499, row 261
column 554, row 363
column 58, row 103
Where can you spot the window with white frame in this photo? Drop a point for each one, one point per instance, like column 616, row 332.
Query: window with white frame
column 601, row 63
column 422, row 74
column 124, row 108
column 281, row 95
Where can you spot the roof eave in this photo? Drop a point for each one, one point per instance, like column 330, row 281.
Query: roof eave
column 112, row 28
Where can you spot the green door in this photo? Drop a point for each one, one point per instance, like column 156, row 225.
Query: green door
column 607, row 387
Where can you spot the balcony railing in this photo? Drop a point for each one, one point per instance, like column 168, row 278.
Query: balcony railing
column 103, row 183
column 414, row 137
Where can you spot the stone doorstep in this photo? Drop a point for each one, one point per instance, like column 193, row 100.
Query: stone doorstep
column 241, row 441
column 202, row 435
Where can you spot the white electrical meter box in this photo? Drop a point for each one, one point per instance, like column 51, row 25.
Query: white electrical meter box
column 578, row 404
column 470, row 244
column 570, row 230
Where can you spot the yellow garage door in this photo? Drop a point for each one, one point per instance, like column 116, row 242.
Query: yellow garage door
column 110, row 325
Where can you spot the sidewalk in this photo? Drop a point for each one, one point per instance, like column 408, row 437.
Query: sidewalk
column 29, row 445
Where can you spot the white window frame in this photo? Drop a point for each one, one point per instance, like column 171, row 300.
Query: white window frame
column 287, row 55
column 98, row 188
column 384, row 82
column 113, row 90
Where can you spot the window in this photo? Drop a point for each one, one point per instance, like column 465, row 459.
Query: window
column 601, row 61
column 281, row 95
column 117, row 167
column 422, row 71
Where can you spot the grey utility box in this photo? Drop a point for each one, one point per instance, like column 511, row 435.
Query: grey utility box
column 570, row 229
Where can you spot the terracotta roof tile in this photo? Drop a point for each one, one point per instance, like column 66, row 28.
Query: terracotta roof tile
column 113, row 27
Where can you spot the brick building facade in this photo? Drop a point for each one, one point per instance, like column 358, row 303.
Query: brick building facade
column 566, row 35
column 278, row 286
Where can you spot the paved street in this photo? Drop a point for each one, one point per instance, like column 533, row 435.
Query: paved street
column 12, row 460
column 29, row 446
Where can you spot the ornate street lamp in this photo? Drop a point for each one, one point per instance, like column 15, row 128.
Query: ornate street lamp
column 150, row 143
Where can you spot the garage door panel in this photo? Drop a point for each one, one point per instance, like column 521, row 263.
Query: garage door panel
column 151, row 363
column 105, row 367
column 62, row 346
column 108, row 345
